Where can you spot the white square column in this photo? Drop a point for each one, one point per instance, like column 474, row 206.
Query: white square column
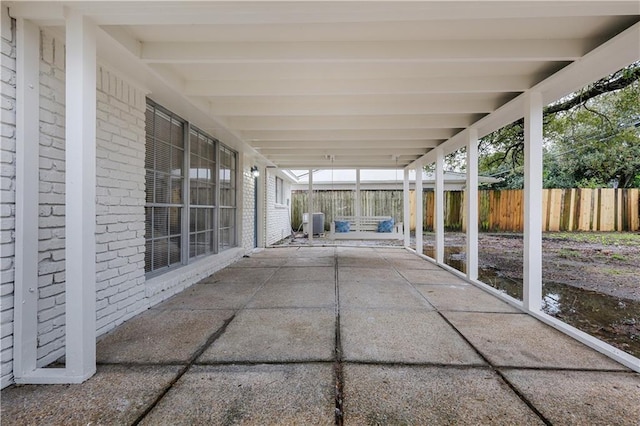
column 310, row 197
column 405, row 209
column 439, row 207
column 471, row 204
column 261, row 215
column 27, row 188
column 358, row 201
column 80, row 221
column 532, row 291
column 419, row 211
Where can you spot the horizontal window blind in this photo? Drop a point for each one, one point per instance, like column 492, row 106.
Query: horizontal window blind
column 164, row 165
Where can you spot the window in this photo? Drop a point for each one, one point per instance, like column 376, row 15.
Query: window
column 227, row 198
column 202, row 190
column 171, row 238
column 164, row 164
column 279, row 191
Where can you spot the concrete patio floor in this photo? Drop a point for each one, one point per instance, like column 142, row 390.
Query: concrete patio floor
column 319, row 335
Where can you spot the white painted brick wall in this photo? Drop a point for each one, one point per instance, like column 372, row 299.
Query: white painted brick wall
column 173, row 282
column 120, row 193
column 278, row 221
column 248, row 211
column 7, row 193
column 51, row 261
column 122, row 290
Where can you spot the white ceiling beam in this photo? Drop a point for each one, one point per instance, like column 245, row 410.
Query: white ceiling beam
column 346, row 135
column 438, row 121
column 225, row 107
column 121, row 36
column 486, row 29
column 167, row 13
column 341, row 156
column 350, row 51
column 356, row 70
column 347, row 164
column 43, row 13
column 481, row 84
column 397, row 144
column 343, row 160
column 606, row 59
column 391, row 150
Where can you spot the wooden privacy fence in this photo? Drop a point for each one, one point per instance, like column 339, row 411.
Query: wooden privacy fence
column 343, row 203
column 604, row 209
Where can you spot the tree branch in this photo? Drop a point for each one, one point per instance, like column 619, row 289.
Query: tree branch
column 616, row 81
column 613, row 82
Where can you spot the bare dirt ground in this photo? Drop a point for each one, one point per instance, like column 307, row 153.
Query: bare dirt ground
column 606, row 263
column 590, row 280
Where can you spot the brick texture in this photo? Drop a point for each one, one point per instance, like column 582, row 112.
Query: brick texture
column 7, row 193
column 51, row 221
column 278, row 220
column 122, row 290
column 120, row 194
column 248, row 211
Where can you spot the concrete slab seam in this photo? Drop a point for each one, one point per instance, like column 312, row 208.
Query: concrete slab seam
column 339, row 376
column 182, row 372
column 215, row 336
column 511, row 386
column 493, row 368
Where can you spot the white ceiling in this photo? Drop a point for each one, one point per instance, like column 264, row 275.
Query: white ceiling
column 354, row 84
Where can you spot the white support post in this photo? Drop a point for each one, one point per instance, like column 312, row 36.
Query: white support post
column 310, row 223
column 439, row 207
column 262, row 211
column 358, row 201
column 419, row 212
column 471, row 204
column 80, row 197
column 27, row 187
column 532, row 291
column 405, row 208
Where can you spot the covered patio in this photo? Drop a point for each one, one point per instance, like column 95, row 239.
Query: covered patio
column 333, row 335
column 152, row 168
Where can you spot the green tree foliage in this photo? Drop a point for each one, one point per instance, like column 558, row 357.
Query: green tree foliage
column 596, row 144
column 592, row 138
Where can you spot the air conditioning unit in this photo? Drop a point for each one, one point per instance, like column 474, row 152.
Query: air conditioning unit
column 318, row 223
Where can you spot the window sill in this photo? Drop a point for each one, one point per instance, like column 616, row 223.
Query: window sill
column 280, row 206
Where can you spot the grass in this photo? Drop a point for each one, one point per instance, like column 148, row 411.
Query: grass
column 620, row 257
column 604, row 238
column 568, row 253
column 613, row 271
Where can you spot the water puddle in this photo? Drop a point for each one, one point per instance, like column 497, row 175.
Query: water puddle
column 612, row 319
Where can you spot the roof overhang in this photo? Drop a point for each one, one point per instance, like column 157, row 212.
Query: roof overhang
column 355, row 84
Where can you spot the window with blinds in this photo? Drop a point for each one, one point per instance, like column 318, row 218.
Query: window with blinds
column 164, row 164
column 202, row 190
column 210, row 225
column 227, row 198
